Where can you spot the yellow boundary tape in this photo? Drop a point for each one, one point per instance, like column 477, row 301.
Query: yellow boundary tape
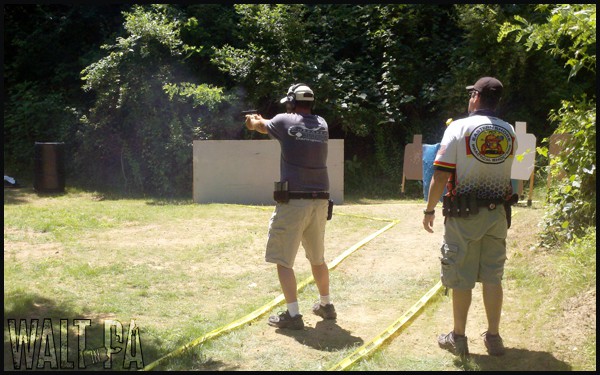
column 264, row 309
column 387, row 333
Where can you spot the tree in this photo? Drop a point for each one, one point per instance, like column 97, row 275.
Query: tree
column 364, row 62
column 146, row 113
column 45, row 47
column 570, row 34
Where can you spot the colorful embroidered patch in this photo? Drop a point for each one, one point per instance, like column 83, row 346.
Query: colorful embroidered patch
column 490, row 144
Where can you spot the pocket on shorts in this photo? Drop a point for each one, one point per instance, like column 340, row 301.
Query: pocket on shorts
column 449, row 265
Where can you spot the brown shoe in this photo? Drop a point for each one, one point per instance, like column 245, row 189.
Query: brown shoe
column 325, row 312
column 455, row 344
column 493, row 344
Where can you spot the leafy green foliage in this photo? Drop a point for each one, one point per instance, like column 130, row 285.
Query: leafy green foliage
column 33, row 117
column 572, row 200
column 275, row 43
column 480, row 53
column 364, row 63
column 570, row 31
column 173, row 73
column 42, row 59
column 145, row 116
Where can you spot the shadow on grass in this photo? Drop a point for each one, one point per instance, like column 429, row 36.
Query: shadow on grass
column 513, row 360
column 326, row 336
column 32, row 320
column 25, row 194
column 17, row 195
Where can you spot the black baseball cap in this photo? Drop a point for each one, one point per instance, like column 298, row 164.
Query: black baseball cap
column 487, row 86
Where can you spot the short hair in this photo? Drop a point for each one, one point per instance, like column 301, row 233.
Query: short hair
column 489, row 101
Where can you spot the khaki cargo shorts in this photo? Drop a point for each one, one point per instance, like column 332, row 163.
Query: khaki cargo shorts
column 474, row 249
column 298, row 221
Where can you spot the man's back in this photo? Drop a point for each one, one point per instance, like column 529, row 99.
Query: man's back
column 481, row 150
column 303, row 139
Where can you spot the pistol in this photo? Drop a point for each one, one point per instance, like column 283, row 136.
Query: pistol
column 250, row 112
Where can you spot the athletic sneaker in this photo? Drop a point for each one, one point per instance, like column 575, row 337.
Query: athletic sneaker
column 493, row 344
column 325, row 312
column 284, row 320
column 455, row 344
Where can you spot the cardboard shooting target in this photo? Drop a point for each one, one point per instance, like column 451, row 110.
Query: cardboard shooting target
column 557, row 144
column 524, row 157
column 413, row 159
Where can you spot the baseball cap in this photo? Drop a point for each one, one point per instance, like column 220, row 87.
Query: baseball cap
column 301, row 93
column 487, row 86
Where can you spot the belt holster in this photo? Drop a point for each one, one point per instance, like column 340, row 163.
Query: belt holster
column 330, row 210
column 507, row 207
column 281, row 193
column 472, row 204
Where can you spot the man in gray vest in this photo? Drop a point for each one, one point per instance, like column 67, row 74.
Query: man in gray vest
column 302, row 197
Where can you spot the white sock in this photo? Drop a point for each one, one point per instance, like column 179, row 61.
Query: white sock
column 293, row 309
column 325, row 300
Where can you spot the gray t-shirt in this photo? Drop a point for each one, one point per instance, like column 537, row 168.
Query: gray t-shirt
column 303, row 140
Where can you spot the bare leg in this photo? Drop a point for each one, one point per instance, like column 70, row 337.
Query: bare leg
column 321, row 275
column 287, row 279
column 492, row 300
column 461, row 301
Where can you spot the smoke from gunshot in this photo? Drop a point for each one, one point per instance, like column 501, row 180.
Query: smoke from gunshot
column 233, row 120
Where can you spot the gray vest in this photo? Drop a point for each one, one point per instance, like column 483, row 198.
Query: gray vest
column 303, row 140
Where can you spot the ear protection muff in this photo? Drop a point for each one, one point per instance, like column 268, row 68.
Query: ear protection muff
column 291, row 95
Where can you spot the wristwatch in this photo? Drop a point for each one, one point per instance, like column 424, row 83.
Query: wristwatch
column 425, row 212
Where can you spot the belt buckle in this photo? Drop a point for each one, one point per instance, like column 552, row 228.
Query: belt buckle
column 314, row 195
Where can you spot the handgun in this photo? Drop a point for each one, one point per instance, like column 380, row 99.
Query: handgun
column 250, row 112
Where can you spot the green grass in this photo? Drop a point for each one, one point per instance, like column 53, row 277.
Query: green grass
column 181, row 270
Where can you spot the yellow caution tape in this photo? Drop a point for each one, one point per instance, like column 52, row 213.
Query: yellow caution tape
column 264, row 309
column 359, row 244
column 364, row 217
column 387, row 333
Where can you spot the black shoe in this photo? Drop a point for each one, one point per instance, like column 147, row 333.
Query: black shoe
column 284, row 320
column 456, row 345
column 325, row 312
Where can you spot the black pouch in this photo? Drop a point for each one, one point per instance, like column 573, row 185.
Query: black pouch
column 462, row 206
column 281, row 196
column 446, row 205
column 453, row 207
column 472, row 204
column 281, row 193
column 330, row 210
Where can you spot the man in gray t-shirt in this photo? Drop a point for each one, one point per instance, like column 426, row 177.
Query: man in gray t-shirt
column 301, row 219
column 303, row 139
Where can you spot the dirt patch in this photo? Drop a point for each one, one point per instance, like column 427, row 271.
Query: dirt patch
column 21, row 249
column 580, row 311
column 577, row 322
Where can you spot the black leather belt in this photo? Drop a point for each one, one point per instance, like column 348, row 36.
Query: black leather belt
column 309, row 195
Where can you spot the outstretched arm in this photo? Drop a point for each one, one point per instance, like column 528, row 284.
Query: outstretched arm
column 257, row 123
